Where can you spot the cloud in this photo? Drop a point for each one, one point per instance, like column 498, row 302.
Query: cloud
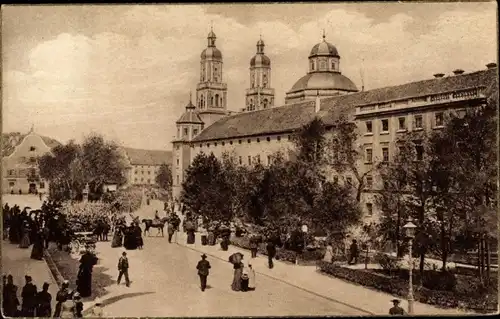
column 132, row 82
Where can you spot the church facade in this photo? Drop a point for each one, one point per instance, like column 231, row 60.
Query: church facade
column 381, row 115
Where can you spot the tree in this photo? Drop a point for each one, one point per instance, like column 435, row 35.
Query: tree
column 102, row 163
column 337, row 209
column 344, row 154
column 164, row 180
column 57, row 167
column 205, row 191
column 464, row 166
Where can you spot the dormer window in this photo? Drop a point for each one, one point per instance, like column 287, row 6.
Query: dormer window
column 333, row 65
column 312, row 65
column 32, row 149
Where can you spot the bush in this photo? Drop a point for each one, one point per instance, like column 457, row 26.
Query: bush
column 389, row 264
column 476, row 301
column 439, row 280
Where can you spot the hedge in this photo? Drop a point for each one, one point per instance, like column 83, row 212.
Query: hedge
column 397, row 286
column 282, row 254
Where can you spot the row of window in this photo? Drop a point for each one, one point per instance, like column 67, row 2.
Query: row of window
column 278, row 138
column 186, row 132
column 418, row 123
column 142, row 180
column 419, row 153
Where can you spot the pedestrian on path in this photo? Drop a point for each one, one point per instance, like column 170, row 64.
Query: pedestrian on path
column 271, row 252
column 123, row 269
column 170, row 231
column 61, row 297
column 328, row 253
column 10, row 302
column 396, row 310
column 251, row 276
column 203, row 271
column 29, row 294
column 353, row 252
column 44, row 299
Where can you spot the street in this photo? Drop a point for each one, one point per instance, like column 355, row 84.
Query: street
column 166, row 274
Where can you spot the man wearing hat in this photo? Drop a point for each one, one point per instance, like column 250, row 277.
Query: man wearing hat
column 123, row 269
column 203, row 269
column 61, row 297
column 396, row 310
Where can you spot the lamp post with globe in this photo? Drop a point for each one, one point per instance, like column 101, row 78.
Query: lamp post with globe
column 410, row 234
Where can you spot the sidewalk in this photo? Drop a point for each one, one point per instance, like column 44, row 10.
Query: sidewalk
column 17, row 262
column 308, row 279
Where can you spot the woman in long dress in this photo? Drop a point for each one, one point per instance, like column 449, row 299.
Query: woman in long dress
column 238, row 271
column 25, row 241
column 117, row 238
column 37, row 250
column 251, row 276
column 328, row 254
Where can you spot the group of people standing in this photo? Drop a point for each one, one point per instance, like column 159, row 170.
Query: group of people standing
column 34, row 303
column 130, row 237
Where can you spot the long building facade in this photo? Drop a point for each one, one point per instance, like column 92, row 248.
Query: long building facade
column 381, row 116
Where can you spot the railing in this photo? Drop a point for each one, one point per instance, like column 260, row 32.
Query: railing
column 466, row 94
column 440, row 97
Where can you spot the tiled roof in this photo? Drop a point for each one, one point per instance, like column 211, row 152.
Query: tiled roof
column 8, row 147
column 291, row 117
column 148, row 157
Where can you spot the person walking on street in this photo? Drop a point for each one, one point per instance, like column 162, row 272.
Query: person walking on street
column 271, row 252
column 123, row 269
column 203, row 270
column 170, row 231
column 396, row 310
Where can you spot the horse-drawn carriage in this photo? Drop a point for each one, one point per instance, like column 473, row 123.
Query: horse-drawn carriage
column 82, row 241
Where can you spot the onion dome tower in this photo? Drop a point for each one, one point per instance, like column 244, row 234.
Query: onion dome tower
column 260, row 95
column 211, row 91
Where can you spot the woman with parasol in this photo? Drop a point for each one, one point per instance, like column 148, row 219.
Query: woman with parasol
column 236, row 259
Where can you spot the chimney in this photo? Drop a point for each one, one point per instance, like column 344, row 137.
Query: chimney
column 458, row 71
column 438, row 75
column 318, row 104
column 491, row 65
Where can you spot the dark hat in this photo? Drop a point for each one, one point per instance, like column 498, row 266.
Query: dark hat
column 28, row 278
column 203, row 256
column 124, row 253
column 396, row 300
column 46, row 285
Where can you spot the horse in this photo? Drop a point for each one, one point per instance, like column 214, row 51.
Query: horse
column 158, row 224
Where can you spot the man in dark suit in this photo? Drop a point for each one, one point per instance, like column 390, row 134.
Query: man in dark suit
column 203, row 267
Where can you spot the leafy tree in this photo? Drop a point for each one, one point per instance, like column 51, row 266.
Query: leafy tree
column 205, row 191
column 102, row 162
column 337, row 209
column 344, row 154
column 164, row 180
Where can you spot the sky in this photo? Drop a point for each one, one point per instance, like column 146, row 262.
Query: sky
column 126, row 71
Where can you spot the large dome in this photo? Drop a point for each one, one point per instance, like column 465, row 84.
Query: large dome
column 324, row 49
column 260, row 59
column 324, row 80
column 211, row 52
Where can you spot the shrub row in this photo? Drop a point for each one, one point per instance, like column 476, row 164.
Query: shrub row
column 281, row 253
column 399, row 287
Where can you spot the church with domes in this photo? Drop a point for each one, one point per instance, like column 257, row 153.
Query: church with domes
column 262, row 129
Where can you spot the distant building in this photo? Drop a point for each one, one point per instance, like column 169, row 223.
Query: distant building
column 381, row 116
column 20, row 155
column 143, row 165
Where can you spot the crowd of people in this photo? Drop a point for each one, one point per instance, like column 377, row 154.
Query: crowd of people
column 33, row 303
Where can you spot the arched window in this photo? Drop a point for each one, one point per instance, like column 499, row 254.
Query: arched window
column 265, row 103
column 212, row 101
column 333, row 65
column 216, row 75
column 250, row 107
column 264, row 81
column 312, row 65
column 216, row 100
column 221, row 104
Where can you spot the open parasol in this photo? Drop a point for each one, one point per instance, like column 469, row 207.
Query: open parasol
column 236, row 258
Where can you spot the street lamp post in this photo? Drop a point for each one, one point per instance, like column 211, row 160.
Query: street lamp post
column 410, row 233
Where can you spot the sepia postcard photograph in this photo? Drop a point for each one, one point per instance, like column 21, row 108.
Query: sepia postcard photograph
column 249, row 159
